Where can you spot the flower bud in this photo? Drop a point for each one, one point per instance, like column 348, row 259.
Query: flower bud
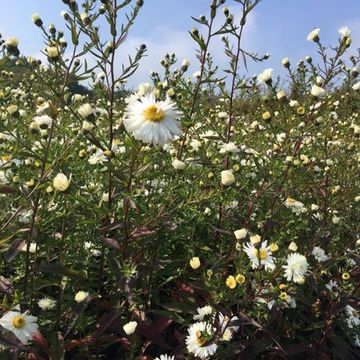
column 61, row 182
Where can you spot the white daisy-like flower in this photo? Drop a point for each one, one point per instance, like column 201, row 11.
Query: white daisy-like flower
column 266, row 75
column 296, row 206
column 296, row 268
column 46, row 304
column 314, row 35
column 344, row 31
column 356, row 86
column 319, row 254
column 199, row 340
column 165, row 357
column 292, row 203
column 86, row 111
column 154, row 122
column 97, row 158
column 332, row 286
column 291, row 301
column 229, row 148
column 352, row 316
column 43, row 121
column 202, row 312
column 262, row 256
column 317, row 91
column 22, row 325
column 145, row 88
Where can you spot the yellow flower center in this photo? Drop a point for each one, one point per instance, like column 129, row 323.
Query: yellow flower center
column 200, row 340
column 263, row 254
column 153, row 113
column 18, row 322
column 5, row 157
column 291, row 200
column 300, row 110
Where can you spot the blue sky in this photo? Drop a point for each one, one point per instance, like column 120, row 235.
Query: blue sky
column 278, row 27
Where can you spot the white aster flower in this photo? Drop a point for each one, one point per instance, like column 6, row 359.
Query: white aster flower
column 198, row 341
column 356, row 86
column 165, row 357
column 154, row 122
column 319, row 254
column 296, row 206
column 332, row 286
column 229, row 148
column 314, row 35
column 344, row 31
column 352, row 316
column 86, row 111
column 43, row 121
column 203, row 312
column 317, row 91
column 293, row 103
column 145, row 88
column 22, row 325
column 266, row 75
column 97, row 158
column 46, row 304
column 296, row 268
column 262, row 256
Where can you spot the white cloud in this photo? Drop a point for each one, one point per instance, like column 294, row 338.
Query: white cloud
column 165, row 40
